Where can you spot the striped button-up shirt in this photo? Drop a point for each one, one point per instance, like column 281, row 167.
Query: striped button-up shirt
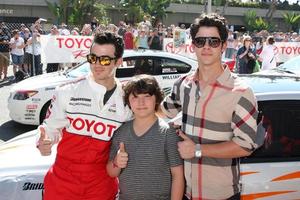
column 225, row 110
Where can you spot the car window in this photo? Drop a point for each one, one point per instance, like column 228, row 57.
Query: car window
column 134, row 66
column 291, row 65
column 151, row 65
column 281, row 122
column 172, row 66
column 79, row 71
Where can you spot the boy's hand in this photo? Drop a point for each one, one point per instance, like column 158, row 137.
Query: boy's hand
column 44, row 143
column 121, row 158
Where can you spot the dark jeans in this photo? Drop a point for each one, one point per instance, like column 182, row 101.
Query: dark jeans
column 38, row 66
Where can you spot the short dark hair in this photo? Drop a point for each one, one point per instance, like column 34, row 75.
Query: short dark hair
column 271, row 40
column 110, row 38
column 143, row 84
column 210, row 20
column 15, row 32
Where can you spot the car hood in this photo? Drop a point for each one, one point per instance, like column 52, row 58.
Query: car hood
column 20, row 153
column 50, row 80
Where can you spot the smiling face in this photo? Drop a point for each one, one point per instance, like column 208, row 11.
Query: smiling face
column 142, row 105
column 208, row 55
column 102, row 74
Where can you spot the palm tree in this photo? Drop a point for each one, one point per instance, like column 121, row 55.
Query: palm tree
column 60, row 10
column 292, row 20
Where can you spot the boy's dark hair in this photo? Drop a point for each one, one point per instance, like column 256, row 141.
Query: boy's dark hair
column 110, row 38
column 210, row 20
column 271, row 40
column 143, row 84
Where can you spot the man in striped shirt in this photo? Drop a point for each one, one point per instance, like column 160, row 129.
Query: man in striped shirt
column 218, row 116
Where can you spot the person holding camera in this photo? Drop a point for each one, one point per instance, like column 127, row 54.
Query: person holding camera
column 246, row 56
column 34, row 51
column 17, row 52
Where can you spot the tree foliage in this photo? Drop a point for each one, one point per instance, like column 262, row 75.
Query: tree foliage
column 255, row 23
column 59, row 10
column 138, row 8
column 78, row 12
column 292, row 20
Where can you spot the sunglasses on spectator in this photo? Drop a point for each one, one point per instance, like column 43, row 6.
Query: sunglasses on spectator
column 103, row 60
column 213, row 42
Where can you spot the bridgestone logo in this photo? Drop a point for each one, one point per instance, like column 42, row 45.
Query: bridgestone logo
column 33, row 186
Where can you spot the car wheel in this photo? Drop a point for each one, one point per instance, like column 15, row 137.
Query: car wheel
column 44, row 111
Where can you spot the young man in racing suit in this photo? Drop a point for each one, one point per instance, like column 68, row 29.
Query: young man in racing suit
column 83, row 117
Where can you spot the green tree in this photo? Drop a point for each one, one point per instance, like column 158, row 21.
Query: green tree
column 82, row 11
column 137, row 8
column 60, row 10
column 292, row 20
column 255, row 23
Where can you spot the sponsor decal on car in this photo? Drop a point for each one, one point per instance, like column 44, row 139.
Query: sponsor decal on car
column 31, row 107
column 33, row 186
column 49, row 88
column 36, row 99
column 171, row 76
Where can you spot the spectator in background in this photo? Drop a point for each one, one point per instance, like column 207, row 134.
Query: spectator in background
column 141, row 41
column 122, row 29
column 86, row 30
column 94, row 23
column 112, row 28
column 155, row 41
column 146, row 22
column 4, row 51
column 22, row 31
column 17, row 53
column 267, row 56
column 128, row 38
column 53, row 67
column 294, row 37
column 246, row 56
column 35, row 48
column 27, row 57
column 64, row 30
column 169, row 33
column 231, row 46
column 75, row 31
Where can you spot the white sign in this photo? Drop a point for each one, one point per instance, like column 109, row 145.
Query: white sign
column 73, row 49
column 65, row 49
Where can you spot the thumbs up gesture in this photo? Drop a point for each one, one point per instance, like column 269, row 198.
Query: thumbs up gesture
column 121, row 158
column 186, row 148
column 44, row 143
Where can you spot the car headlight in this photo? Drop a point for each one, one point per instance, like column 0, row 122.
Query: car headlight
column 24, row 94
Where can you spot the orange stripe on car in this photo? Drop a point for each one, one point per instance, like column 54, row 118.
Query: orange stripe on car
column 288, row 176
column 247, row 173
column 263, row 194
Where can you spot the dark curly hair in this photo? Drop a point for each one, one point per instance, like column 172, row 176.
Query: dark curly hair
column 210, row 20
column 110, row 38
column 143, row 84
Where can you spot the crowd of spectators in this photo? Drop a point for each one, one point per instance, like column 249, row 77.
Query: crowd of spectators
column 22, row 48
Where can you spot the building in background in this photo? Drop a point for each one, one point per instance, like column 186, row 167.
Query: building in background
column 27, row 11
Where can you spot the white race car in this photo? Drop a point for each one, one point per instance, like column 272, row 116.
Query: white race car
column 30, row 99
column 271, row 173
